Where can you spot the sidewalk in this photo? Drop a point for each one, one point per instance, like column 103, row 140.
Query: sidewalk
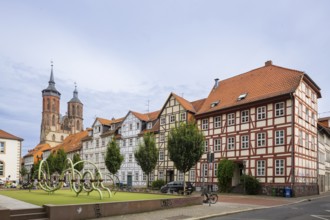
column 227, row 204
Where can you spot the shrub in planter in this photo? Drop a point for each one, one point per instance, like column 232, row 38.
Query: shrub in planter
column 251, row 184
column 157, row 184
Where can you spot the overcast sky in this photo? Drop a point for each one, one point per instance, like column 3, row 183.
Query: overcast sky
column 124, row 53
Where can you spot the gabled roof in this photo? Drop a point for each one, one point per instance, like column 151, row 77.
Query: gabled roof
column 150, row 116
column 324, row 129
column 108, row 122
column 189, row 106
column 6, row 135
column 258, row 84
column 72, row 142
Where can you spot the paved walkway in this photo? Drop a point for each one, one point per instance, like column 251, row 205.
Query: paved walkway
column 227, row 204
column 9, row 203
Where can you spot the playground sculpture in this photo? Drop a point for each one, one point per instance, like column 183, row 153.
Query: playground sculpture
column 78, row 181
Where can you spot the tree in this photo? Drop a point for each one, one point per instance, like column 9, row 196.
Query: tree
column 23, row 172
column 147, row 154
column 225, row 174
column 76, row 158
column 185, row 146
column 51, row 162
column 113, row 158
column 60, row 161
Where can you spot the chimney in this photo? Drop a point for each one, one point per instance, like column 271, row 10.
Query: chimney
column 268, row 63
column 216, row 83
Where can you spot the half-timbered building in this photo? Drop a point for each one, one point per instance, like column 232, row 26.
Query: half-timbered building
column 324, row 154
column 132, row 129
column 176, row 109
column 94, row 146
column 265, row 121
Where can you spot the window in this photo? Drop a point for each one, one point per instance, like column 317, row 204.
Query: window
column 96, row 157
column 241, row 96
column 279, row 167
column 161, row 155
column 261, row 139
column 144, row 177
column 245, row 116
column 215, row 168
column 313, row 119
column 124, row 143
column 172, row 118
column 261, row 168
column 205, row 124
column 244, row 141
column 130, row 141
column 149, row 125
column 161, row 175
column 279, row 137
column 130, row 127
column 279, row 109
column 53, row 120
column 217, row 144
column 183, row 116
column 162, row 137
column 2, row 147
column 313, row 143
column 130, row 157
column 300, row 107
column 231, row 119
column 162, row 120
column 180, row 176
column 261, row 113
column 192, row 176
column 123, row 176
column 204, row 171
column 103, row 143
column 151, row 177
column 206, row 146
column 1, row 168
column 136, row 176
column 62, row 137
column 217, row 122
column 307, row 141
column 300, row 138
column 230, row 143
column 307, row 114
column 97, row 142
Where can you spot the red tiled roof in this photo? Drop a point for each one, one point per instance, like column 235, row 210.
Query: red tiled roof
column 72, row 142
column 6, row 135
column 38, row 151
column 186, row 104
column 150, row 116
column 259, row 84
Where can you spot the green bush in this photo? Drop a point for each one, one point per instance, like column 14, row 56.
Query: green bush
column 157, row 184
column 251, row 184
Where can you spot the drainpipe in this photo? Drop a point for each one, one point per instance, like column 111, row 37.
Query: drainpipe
column 293, row 141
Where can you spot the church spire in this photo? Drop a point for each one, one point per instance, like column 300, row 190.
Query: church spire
column 75, row 94
column 51, row 90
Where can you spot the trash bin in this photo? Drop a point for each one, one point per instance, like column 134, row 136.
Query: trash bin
column 287, row 192
column 281, row 192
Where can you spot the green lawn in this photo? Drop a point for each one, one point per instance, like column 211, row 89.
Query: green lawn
column 40, row 197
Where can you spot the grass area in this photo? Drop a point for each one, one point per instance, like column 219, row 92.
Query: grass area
column 63, row 196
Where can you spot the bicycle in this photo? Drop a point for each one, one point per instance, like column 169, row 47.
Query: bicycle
column 210, row 198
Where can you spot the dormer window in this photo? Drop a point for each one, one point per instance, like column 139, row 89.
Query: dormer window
column 213, row 104
column 112, row 127
column 241, row 96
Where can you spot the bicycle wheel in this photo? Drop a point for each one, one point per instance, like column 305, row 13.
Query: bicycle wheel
column 213, row 198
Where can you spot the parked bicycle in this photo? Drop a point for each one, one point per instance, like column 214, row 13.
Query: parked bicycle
column 210, row 198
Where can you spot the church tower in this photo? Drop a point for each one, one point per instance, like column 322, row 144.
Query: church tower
column 75, row 113
column 50, row 110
